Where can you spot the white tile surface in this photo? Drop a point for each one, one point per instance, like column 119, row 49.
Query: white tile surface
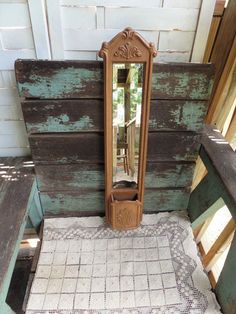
column 157, row 297
column 112, row 284
column 169, row 280
column 69, row 285
column 99, row 270
column 127, row 299
column 39, row 285
column 59, row 258
column 35, row 301
column 85, row 271
column 66, row 302
column 51, row 301
column 126, row 269
column 142, row 298
column 43, row 271
column 113, row 269
column 71, row 271
column 155, row 282
column 97, row 301
column 112, row 300
column 73, row 258
column 126, row 283
column 54, row 285
column 83, row 285
column 45, row 259
column 172, row 296
column 140, row 282
column 98, row 285
column 81, row 301
column 57, row 271
column 153, row 267
column 140, row 268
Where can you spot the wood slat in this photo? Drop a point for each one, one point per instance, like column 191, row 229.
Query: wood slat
column 168, row 174
column 63, row 115
column 67, row 148
column 222, row 158
column 157, row 200
column 45, row 116
column 77, row 176
column 84, row 79
column 172, row 146
column 73, row 202
column 179, row 115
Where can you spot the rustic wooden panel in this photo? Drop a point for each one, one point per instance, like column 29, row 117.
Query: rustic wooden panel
column 72, row 203
column 67, row 148
column 76, row 176
column 43, row 116
column 70, row 177
column 182, row 81
column 177, row 115
column 169, row 174
column 172, row 146
column 60, row 79
column 84, row 79
column 165, row 200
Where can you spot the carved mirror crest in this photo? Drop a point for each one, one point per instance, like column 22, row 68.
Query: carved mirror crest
column 128, row 72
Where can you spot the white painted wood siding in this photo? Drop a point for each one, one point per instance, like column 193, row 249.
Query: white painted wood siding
column 75, row 29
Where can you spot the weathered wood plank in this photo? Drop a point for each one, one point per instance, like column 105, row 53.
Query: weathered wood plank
column 44, row 116
column 222, row 158
column 63, row 115
column 13, row 220
column 182, row 81
column 177, row 115
column 172, row 146
column 84, row 79
column 166, row 175
column 157, row 200
column 70, row 177
column 60, row 79
column 67, row 148
column 76, row 176
column 72, row 202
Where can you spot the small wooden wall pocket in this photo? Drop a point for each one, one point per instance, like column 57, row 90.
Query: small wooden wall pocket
column 127, row 87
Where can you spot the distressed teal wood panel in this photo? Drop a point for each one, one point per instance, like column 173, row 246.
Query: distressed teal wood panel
column 73, row 202
column 84, row 79
column 46, row 116
column 76, row 176
column 182, row 81
column 166, row 174
column 70, row 177
column 179, row 115
column 59, row 79
column 158, row 200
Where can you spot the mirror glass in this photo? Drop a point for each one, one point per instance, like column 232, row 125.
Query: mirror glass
column 127, row 109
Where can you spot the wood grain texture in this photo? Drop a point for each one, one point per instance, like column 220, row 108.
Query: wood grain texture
column 67, row 148
column 45, row 116
column 84, row 79
column 15, row 186
column 157, row 200
column 173, row 146
column 222, row 158
column 178, row 115
column 73, row 202
column 91, row 176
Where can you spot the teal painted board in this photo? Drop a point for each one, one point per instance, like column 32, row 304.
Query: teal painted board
column 59, row 79
column 177, row 115
column 76, row 176
column 169, row 174
column 70, row 177
column 158, row 200
column 226, row 284
column 182, row 81
column 72, row 202
column 84, row 79
column 45, row 116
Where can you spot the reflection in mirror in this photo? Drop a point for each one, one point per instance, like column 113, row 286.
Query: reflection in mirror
column 126, row 108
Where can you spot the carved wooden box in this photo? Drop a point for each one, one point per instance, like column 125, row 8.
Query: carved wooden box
column 125, row 214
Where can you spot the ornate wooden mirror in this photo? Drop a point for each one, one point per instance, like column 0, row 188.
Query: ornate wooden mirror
column 128, row 72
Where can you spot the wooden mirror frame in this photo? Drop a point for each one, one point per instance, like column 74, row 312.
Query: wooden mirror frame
column 124, row 206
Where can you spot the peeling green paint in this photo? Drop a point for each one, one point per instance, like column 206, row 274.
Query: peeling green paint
column 60, row 82
column 61, row 123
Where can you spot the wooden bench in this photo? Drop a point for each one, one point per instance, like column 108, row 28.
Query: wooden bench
column 217, row 188
column 19, row 205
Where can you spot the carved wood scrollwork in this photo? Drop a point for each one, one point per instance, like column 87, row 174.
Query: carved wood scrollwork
column 128, row 51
